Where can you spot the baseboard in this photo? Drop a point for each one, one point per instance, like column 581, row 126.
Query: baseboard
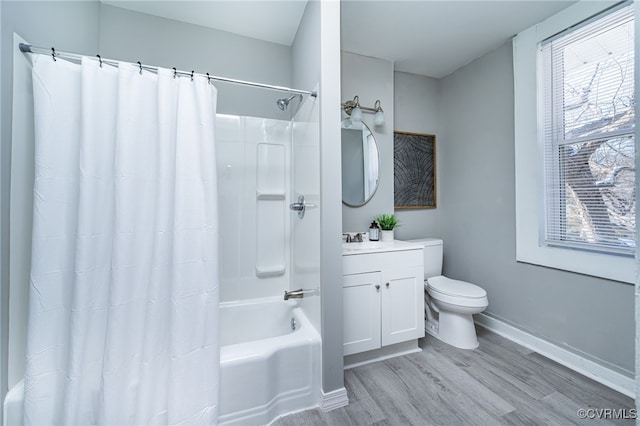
column 334, row 399
column 577, row 363
column 385, row 352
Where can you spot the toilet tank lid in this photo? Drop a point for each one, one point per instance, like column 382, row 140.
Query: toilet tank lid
column 426, row 241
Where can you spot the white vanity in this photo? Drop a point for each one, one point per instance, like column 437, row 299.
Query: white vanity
column 383, row 300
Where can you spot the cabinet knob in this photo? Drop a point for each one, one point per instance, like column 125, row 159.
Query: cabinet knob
column 387, row 285
column 377, row 286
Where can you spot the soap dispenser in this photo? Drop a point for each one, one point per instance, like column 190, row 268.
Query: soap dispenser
column 374, row 232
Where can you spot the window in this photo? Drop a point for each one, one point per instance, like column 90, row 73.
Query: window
column 589, row 146
column 574, row 114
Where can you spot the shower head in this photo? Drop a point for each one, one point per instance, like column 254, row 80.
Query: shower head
column 283, row 103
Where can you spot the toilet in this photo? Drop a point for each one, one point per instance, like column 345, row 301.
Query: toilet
column 449, row 304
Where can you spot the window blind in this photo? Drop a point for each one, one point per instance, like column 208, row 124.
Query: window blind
column 589, row 146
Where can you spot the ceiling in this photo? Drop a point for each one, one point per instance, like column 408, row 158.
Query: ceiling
column 272, row 20
column 434, row 38
column 426, row 37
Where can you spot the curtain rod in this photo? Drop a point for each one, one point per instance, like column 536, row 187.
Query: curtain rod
column 27, row 48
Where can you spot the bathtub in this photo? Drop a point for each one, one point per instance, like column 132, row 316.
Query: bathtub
column 269, row 363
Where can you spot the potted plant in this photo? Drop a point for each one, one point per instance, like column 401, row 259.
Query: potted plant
column 387, row 223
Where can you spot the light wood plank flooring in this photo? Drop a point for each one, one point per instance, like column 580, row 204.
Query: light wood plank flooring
column 500, row 383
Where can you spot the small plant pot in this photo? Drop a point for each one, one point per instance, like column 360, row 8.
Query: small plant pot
column 386, row 235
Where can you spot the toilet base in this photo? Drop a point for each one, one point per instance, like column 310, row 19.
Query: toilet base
column 455, row 329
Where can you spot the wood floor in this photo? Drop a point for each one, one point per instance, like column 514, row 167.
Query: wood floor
column 500, row 383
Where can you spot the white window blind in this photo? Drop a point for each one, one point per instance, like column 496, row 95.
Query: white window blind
column 589, row 146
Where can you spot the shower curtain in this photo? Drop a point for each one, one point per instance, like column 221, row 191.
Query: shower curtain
column 123, row 309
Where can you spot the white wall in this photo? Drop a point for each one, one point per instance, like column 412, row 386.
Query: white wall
column 417, row 108
column 253, row 157
column 590, row 316
column 69, row 26
column 133, row 36
column 371, row 79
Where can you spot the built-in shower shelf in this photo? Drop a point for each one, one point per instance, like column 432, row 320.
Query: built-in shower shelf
column 270, row 196
column 270, row 272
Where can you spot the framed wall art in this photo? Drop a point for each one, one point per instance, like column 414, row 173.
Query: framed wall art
column 414, row 170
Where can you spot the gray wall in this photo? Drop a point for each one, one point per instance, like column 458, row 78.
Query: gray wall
column 330, row 184
column 589, row 316
column 132, row 36
column 418, row 109
column 471, row 113
column 371, row 79
column 305, row 250
column 70, row 26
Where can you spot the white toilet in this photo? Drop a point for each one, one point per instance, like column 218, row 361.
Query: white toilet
column 449, row 304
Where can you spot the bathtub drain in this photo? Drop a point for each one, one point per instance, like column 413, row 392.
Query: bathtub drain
column 293, row 324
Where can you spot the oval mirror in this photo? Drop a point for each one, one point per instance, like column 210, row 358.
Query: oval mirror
column 360, row 172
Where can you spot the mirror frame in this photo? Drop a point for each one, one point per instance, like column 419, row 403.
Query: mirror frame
column 375, row 142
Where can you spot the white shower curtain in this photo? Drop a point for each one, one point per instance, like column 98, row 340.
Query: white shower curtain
column 123, row 309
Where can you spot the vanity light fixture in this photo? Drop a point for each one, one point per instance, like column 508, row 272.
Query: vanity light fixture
column 354, row 110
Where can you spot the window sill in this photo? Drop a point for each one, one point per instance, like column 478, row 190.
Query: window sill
column 611, row 267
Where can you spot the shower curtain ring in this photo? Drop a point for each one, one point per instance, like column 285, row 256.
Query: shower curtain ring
column 140, row 65
column 175, row 72
column 99, row 59
column 208, row 78
column 192, row 71
column 53, row 53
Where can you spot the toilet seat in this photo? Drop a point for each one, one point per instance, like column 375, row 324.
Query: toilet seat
column 449, row 287
column 456, row 292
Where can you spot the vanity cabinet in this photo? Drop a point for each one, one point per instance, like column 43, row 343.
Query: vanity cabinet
column 383, row 296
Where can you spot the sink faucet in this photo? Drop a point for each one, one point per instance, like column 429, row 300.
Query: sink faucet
column 357, row 238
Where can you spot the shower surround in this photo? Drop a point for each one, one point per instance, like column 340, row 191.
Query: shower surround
column 266, row 249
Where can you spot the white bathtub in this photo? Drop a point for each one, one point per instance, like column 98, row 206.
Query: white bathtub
column 266, row 368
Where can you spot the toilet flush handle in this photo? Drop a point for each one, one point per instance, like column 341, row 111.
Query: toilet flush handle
column 387, row 285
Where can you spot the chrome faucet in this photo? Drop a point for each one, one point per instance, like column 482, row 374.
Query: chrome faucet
column 296, row 294
column 357, row 238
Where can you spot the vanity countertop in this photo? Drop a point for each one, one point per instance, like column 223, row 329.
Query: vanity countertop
column 366, row 246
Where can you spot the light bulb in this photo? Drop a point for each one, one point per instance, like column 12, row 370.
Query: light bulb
column 378, row 118
column 356, row 114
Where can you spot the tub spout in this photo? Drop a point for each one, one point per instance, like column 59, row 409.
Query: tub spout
column 296, row 294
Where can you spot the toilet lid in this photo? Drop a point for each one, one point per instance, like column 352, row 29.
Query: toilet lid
column 444, row 285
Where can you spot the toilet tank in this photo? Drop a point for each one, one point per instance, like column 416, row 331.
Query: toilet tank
column 432, row 256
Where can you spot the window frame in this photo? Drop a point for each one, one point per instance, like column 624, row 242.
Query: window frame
column 530, row 144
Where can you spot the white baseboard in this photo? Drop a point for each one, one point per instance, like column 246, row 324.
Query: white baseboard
column 385, row 352
column 334, row 399
column 606, row 376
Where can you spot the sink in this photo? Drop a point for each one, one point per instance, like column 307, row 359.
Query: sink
column 366, row 245
column 377, row 247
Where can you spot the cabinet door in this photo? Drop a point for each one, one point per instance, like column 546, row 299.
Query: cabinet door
column 402, row 305
column 361, row 312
